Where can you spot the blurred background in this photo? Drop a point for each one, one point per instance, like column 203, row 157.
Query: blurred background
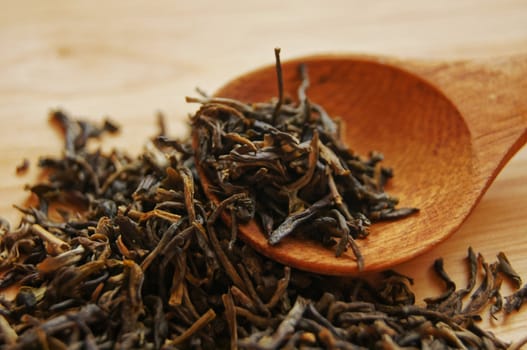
column 130, row 59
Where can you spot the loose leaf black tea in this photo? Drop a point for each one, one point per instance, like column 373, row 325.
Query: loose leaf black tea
column 126, row 253
column 290, row 161
column 122, row 252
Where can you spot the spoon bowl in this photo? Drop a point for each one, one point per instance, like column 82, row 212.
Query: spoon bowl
column 445, row 128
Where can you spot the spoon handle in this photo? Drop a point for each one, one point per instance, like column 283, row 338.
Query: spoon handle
column 491, row 95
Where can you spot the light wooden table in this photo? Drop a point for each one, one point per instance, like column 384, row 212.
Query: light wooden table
column 129, row 59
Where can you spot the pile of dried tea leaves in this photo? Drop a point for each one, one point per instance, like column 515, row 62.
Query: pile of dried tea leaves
column 292, row 164
column 121, row 252
column 127, row 253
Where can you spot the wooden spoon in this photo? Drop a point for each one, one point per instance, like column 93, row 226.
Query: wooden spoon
column 446, row 128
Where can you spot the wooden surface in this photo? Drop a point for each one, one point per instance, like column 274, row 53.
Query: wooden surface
column 131, row 59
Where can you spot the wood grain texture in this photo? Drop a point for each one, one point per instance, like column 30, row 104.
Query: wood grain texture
column 131, row 59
